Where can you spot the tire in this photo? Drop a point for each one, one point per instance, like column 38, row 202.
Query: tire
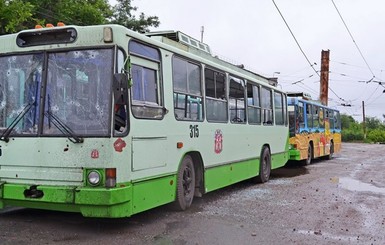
column 330, row 156
column 307, row 161
column 264, row 166
column 185, row 184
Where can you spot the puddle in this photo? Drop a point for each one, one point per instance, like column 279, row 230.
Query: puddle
column 356, row 185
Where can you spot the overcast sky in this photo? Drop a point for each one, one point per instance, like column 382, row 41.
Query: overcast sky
column 253, row 33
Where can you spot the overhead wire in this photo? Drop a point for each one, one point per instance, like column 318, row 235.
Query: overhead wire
column 372, row 102
column 300, row 48
column 295, row 39
column 354, row 41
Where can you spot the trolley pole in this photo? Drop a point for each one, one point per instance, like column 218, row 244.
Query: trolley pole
column 324, row 79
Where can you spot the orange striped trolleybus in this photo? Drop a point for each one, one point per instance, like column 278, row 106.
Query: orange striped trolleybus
column 315, row 129
column 108, row 122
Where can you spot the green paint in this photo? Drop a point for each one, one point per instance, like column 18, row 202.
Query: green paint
column 221, row 176
column 295, row 155
column 103, row 196
column 122, row 201
column 91, row 202
column 279, row 160
column 152, row 193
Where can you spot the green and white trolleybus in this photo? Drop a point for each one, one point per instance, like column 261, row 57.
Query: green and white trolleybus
column 108, row 122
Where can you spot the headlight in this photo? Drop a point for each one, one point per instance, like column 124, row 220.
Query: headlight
column 94, row 177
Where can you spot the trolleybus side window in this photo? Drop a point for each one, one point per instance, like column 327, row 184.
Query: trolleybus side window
column 309, row 116
column 285, row 115
column 267, row 106
column 331, row 119
column 254, row 104
column 337, row 120
column 237, row 100
column 187, row 90
column 301, row 116
column 278, row 106
column 216, row 101
column 321, row 117
column 315, row 117
column 146, row 90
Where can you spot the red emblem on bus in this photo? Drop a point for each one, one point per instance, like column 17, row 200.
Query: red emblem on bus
column 218, row 141
column 119, row 144
column 94, row 153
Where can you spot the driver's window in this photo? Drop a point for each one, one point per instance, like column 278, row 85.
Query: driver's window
column 120, row 107
column 146, row 88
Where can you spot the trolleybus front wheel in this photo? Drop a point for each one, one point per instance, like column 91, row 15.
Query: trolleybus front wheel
column 185, row 184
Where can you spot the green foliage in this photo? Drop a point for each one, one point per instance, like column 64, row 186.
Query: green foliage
column 14, row 15
column 353, row 131
column 123, row 16
column 374, row 123
column 350, row 135
column 346, row 121
column 376, row 135
column 17, row 15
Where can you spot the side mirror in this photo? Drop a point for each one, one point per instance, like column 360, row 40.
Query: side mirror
column 120, row 88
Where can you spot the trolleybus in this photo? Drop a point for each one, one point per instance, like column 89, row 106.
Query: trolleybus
column 315, row 129
column 108, row 122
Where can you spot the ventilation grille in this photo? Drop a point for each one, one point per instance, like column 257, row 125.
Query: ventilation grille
column 180, row 37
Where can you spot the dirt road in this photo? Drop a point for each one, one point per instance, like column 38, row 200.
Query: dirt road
column 339, row 201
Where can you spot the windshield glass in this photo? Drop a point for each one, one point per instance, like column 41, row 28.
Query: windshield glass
column 77, row 92
column 20, row 80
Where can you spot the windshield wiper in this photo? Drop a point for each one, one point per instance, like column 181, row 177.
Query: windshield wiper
column 8, row 130
column 63, row 127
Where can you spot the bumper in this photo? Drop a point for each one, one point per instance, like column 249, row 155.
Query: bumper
column 90, row 202
column 295, row 155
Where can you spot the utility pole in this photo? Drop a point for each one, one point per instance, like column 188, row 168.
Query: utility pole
column 324, row 78
column 363, row 119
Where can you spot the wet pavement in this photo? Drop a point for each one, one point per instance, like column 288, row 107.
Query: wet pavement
column 338, row 201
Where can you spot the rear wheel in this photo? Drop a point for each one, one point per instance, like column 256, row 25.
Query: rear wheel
column 264, row 166
column 330, row 156
column 307, row 161
column 185, row 184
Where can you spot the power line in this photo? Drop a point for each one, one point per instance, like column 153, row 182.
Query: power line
column 372, row 102
column 370, row 97
column 355, row 43
column 295, row 39
column 299, row 46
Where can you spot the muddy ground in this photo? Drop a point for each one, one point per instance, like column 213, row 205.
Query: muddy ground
column 339, row 201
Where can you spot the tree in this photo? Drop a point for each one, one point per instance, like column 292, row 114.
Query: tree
column 347, row 121
column 123, row 15
column 71, row 12
column 14, row 15
column 374, row 123
column 17, row 15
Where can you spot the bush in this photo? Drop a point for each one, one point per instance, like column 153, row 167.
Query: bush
column 376, row 135
column 352, row 135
